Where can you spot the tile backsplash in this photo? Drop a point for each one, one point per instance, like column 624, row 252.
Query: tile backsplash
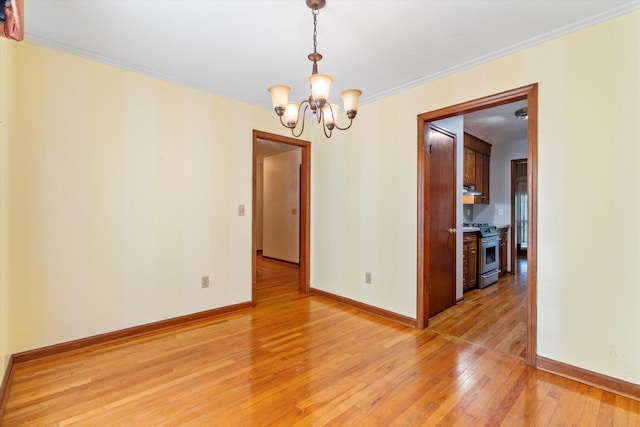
column 467, row 213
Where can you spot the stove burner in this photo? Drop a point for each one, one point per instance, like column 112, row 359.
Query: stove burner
column 475, row 224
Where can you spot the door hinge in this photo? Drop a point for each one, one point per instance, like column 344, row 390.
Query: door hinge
column 430, row 145
column 429, row 286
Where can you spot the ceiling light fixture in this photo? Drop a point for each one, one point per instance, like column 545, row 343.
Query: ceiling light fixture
column 325, row 113
column 522, row 114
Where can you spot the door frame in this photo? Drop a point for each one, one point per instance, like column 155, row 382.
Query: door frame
column 530, row 94
column 304, row 210
column 514, row 248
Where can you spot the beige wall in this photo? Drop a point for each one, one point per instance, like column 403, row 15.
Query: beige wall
column 259, row 203
column 122, row 191
column 6, row 73
column 364, row 193
column 281, row 194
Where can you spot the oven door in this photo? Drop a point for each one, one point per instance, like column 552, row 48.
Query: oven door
column 489, row 255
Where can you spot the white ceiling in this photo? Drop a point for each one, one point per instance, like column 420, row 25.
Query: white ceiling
column 497, row 125
column 238, row 48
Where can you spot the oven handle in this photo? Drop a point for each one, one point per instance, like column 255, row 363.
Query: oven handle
column 489, row 240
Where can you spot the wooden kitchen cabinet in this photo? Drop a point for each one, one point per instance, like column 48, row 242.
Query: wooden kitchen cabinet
column 477, row 164
column 469, row 261
column 482, row 178
column 503, row 235
column 469, row 175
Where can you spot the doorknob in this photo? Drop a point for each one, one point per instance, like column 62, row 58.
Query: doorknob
column 452, row 231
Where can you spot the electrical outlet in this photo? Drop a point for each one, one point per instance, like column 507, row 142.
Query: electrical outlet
column 367, row 278
column 204, row 282
column 500, row 211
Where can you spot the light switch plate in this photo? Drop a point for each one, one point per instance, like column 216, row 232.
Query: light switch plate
column 240, row 210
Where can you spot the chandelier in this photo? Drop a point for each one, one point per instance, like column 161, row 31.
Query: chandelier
column 291, row 113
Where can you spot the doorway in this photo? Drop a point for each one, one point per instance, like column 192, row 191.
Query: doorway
column 303, row 211
column 519, row 216
column 530, row 94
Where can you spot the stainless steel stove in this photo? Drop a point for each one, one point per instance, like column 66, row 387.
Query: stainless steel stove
column 489, row 255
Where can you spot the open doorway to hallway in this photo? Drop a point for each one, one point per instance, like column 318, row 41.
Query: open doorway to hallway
column 280, row 214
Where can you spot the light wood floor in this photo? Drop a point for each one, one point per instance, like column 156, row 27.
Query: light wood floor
column 494, row 318
column 301, row 361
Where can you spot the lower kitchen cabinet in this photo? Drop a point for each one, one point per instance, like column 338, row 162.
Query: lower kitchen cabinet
column 469, row 261
column 503, row 245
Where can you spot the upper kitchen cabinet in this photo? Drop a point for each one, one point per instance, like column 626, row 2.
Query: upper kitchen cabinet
column 469, row 166
column 477, row 155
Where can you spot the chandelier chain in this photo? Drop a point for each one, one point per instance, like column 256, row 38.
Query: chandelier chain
column 315, row 29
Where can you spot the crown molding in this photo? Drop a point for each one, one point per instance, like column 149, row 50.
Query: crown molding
column 593, row 20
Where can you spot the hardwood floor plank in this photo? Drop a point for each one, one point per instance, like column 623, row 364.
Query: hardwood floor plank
column 494, row 317
column 309, row 361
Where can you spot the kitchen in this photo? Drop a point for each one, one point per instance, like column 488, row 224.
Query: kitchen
column 491, row 159
column 495, row 142
column 490, row 305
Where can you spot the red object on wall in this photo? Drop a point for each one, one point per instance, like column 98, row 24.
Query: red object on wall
column 13, row 27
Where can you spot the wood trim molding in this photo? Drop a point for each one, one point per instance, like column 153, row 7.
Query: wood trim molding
column 424, row 193
column 123, row 334
column 474, row 143
column 376, row 311
column 614, row 385
column 4, row 388
column 532, row 238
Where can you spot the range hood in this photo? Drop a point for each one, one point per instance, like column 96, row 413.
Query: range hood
column 469, row 190
column 469, row 195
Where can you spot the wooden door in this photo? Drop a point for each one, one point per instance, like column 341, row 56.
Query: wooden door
column 440, row 146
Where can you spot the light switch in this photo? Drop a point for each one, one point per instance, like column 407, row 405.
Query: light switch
column 500, row 211
column 294, row 211
column 240, row 210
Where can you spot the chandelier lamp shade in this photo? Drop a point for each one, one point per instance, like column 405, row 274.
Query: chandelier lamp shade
column 292, row 113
